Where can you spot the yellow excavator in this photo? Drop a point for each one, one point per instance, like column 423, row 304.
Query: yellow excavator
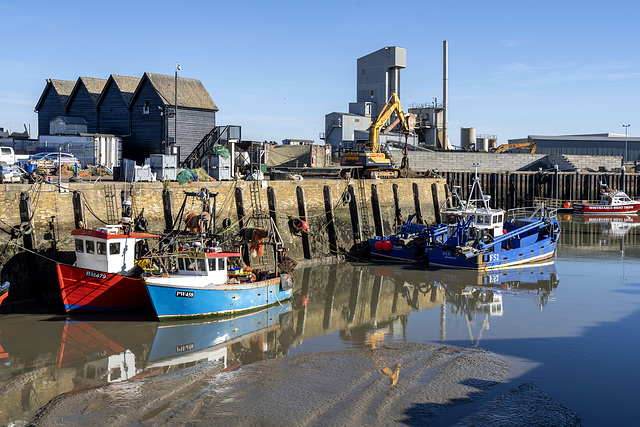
column 517, row 147
column 367, row 155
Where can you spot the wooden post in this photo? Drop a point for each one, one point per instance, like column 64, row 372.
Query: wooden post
column 246, row 257
column 377, row 210
column 396, row 200
column 436, row 203
column 26, row 224
column 273, row 205
column 416, row 202
column 355, row 217
column 167, row 206
column 302, row 213
column 331, row 225
column 78, row 209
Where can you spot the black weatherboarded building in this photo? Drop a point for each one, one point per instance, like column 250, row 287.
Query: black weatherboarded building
column 53, row 102
column 139, row 110
column 83, row 101
column 113, row 105
column 153, row 119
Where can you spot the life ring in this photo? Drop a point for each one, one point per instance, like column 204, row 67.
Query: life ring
column 299, row 224
column 26, row 228
column 346, row 197
column 226, row 223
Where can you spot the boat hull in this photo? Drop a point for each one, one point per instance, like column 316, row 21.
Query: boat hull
column 89, row 290
column 595, row 209
column 540, row 250
column 174, row 301
column 398, row 252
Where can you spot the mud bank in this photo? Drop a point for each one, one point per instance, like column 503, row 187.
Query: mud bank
column 414, row 384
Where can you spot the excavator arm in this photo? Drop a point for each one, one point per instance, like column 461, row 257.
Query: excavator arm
column 531, row 146
column 389, row 107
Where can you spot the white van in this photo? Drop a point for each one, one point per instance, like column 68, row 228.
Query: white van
column 7, row 156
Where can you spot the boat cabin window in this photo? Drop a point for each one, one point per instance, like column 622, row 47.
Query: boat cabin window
column 189, row 264
column 91, row 248
column 79, row 245
column 101, row 248
column 212, row 264
column 180, row 263
column 202, row 266
column 221, row 265
column 114, row 248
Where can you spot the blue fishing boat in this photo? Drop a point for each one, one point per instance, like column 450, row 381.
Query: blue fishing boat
column 482, row 237
column 205, row 283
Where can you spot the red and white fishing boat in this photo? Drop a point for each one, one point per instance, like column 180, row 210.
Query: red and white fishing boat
column 104, row 277
column 611, row 202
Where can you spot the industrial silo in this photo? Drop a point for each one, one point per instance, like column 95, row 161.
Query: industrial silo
column 482, row 143
column 467, row 138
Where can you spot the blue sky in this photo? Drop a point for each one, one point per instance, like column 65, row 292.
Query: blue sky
column 516, row 68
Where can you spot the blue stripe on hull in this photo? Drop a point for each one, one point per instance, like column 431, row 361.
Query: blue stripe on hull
column 535, row 252
column 172, row 301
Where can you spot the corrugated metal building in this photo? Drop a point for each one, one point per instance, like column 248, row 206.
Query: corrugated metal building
column 378, row 76
column 602, row 144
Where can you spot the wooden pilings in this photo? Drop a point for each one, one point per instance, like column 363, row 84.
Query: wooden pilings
column 520, row 189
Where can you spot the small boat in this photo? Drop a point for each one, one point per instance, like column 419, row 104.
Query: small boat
column 202, row 285
column 105, row 276
column 611, row 202
column 4, row 291
column 481, row 237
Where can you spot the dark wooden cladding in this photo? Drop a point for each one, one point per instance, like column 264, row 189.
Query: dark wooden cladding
column 519, row 189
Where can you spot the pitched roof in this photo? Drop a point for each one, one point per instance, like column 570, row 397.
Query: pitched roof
column 94, row 87
column 191, row 92
column 127, row 85
column 63, row 89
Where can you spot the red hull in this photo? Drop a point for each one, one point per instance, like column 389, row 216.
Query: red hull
column 89, row 290
column 587, row 208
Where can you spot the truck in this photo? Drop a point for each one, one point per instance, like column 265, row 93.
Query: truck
column 7, row 156
column 368, row 155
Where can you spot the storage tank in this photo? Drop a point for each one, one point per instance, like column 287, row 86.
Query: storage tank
column 467, row 138
column 482, row 144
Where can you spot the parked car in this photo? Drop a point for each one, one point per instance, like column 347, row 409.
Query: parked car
column 64, row 158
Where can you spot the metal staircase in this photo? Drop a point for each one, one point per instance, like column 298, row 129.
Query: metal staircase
column 219, row 135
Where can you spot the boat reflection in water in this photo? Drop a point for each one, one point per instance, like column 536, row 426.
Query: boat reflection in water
column 338, row 306
column 232, row 341
column 611, row 225
column 100, row 358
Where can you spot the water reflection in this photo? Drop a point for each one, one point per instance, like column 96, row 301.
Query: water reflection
column 365, row 304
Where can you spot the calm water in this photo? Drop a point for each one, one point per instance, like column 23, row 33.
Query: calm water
column 575, row 321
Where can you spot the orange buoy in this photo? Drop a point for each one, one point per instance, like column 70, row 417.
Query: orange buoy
column 567, row 205
column 378, row 245
column 387, row 245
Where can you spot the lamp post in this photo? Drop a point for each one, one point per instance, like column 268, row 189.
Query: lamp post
column 175, row 109
column 626, row 134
